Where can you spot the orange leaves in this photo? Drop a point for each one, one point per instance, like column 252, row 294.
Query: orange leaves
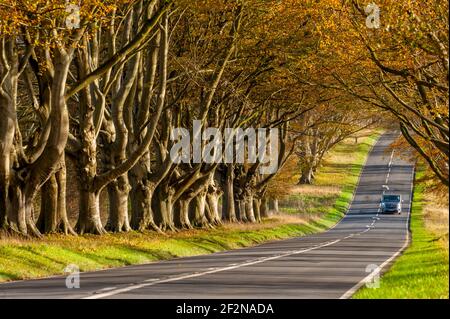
column 47, row 22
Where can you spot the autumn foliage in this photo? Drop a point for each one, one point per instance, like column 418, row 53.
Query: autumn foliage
column 98, row 86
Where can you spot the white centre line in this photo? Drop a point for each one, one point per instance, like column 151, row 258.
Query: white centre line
column 105, row 289
column 392, row 158
column 150, row 280
column 389, row 167
column 370, row 277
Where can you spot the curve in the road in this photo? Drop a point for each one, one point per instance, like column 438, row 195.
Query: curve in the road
column 332, row 264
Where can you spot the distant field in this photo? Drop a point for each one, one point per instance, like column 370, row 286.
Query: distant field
column 323, row 205
column 335, row 181
column 423, row 269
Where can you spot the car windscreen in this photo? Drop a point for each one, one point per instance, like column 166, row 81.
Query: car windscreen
column 391, row 198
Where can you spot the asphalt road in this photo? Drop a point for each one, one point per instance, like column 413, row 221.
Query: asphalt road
column 332, row 264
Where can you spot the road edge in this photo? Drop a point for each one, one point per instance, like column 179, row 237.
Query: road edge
column 386, row 265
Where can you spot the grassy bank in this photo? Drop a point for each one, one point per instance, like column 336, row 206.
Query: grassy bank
column 28, row 258
column 422, row 271
column 20, row 259
column 334, row 183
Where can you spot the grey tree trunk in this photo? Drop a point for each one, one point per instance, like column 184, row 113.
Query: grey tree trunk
column 248, row 206
column 198, row 208
column 307, row 175
column 164, row 212
column 47, row 221
column 118, row 192
column 273, row 204
column 240, row 210
column 264, row 211
column 257, row 208
column 228, row 205
column 212, row 208
column 89, row 216
column 183, row 213
column 53, row 213
column 7, row 125
column 8, row 96
column 63, row 221
column 16, row 218
column 141, row 206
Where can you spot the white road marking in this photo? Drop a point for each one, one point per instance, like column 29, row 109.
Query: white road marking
column 261, row 260
column 105, row 289
column 392, row 157
column 151, row 279
column 369, row 278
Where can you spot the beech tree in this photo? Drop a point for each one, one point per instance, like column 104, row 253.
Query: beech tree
column 49, row 49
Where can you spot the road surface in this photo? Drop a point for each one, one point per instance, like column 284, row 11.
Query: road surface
column 333, row 264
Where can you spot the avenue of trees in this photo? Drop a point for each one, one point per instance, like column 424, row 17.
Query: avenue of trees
column 101, row 90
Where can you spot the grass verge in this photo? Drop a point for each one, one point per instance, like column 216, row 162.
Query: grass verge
column 422, row 271
column 28, row 258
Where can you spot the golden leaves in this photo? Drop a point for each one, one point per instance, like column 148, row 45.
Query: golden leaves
column 47, row 22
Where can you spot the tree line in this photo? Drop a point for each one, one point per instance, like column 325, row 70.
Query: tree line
column 104, row 84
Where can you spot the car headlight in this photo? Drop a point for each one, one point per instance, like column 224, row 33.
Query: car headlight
column 399, row 205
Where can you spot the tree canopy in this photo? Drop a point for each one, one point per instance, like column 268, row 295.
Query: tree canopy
column 91, row 92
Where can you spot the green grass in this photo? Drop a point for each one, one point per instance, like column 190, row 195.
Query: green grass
column 422, row 270
column 29, row 258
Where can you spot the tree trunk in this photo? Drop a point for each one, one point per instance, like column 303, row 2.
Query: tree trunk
column 16, row 218
column 307, row 174
column 228, row 205
column 141, row 206
column 256, row 208
column 212, row 208
column 273, row 204
column 198, row 209
column 118, row 191
column 240, row 209
column 8, row 98
column 89, row 217
column 53, row 214
column 248, row 206
column 63, row 221
column 47, row 221
column 7, row 125
column 164, row 211
column 183, row 213
column 264, row 207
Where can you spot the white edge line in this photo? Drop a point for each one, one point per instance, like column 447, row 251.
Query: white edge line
column 368, row 278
